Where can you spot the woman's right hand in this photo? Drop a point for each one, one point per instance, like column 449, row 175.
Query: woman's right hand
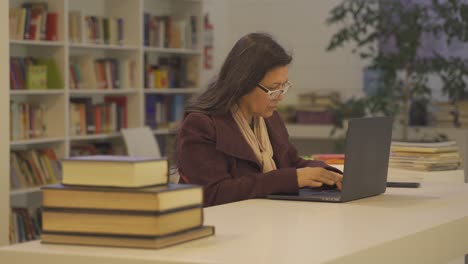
column 316, row 177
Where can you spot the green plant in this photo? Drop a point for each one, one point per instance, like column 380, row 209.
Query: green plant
column 388, row 35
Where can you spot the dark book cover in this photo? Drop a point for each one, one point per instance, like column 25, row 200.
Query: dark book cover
column 112, row 158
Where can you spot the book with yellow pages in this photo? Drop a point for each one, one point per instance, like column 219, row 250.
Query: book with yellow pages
column 114, row 171
column 425, row 147
column 148, row 242
column 426, row 167
column 119, row 222
column 156, row 198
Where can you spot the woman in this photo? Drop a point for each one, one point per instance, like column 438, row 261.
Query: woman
column 233, row 142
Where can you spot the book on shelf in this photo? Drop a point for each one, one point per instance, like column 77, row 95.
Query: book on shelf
column 157, row 199
column 170, row 72
column 170, row 31
column 25, row 224
column 81, row 116
column 27, row 120
column 142, row 223
column 33, row 21
column 33, row 167
column 120, row 119
column 149, row 242
column 88, row 118
column 97, row 29
column 162, row 111
column 36, row 77
column 34, row 73
column 94, row 148
column 114, row 171
column 75, row 26
column 54, row 77
column 87, row 72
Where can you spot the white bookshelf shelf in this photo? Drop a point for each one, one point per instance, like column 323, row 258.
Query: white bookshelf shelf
column 173, row 91
column 25, row 191
column 95, row 137
column 38, row 92
column 36, row 141
column 26, row 197
column 90, row 92
column 103, row 46
column 37, row 43
column 173, row 51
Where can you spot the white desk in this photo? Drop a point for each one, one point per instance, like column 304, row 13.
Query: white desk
column 424, row 225
column 451, row 176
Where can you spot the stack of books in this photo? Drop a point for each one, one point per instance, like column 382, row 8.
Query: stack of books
column 436, row 156
column 121, row 201
column 442, row 114
column 316, row 108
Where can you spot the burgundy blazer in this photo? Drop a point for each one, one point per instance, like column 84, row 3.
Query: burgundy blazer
column 212, row 152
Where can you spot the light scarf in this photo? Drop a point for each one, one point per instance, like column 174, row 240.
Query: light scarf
column 257, row 139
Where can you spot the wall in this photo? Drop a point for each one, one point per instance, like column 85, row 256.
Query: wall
column 4, row 120
column 299, row 25
column 217, row 10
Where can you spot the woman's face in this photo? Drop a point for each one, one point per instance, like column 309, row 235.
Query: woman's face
column 257, row 102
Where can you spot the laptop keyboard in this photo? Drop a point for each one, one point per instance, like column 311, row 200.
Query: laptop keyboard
column 325, row 193
column 324, row 188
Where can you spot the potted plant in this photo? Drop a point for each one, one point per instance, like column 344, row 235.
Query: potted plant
column 396, row 38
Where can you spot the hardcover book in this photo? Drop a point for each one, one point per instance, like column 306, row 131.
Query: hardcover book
column 156, row 199
column 120, row 222
column 115, row 171
column 149, row 242
column 36, row 77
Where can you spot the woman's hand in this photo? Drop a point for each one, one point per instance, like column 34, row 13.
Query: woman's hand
column 316, row 177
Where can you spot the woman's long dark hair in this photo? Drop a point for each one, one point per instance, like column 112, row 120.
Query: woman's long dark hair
column 245, row 66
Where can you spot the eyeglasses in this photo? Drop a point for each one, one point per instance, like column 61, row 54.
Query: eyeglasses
column 276, row 93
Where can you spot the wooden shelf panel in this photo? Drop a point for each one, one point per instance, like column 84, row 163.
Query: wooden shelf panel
column 37, row 92
column 25, row 191
column 95, row 137
column 26, row 197
column 103, row 46
column 90, row 92
column 173, row 51
column 36, row 141
column 37, row 43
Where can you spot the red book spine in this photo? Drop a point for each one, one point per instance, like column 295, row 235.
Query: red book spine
column 52, row 26
column 97, row 119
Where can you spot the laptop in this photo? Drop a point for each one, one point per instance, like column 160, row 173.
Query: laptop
column 367, row 151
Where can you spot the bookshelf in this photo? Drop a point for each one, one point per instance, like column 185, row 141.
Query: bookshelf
column 121, row 56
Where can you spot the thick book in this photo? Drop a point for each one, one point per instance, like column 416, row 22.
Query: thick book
column 115, row 171
column 120, row 222
column 156, row 199
column 148, row 242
